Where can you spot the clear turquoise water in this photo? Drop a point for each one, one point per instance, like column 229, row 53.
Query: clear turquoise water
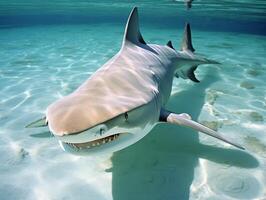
column 47, row 50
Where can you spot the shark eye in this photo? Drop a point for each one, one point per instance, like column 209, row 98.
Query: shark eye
column 126, row 116
column 101, row 131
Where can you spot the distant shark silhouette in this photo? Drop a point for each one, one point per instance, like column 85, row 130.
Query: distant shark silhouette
column 123, row 100
column 188, row 4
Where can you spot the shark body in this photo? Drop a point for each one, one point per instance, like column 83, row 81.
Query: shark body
column 123, row 100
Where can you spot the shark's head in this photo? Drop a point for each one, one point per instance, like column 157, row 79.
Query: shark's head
column 111, row 135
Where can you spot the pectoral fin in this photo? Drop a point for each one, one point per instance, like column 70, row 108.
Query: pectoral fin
column 185, row 120
column 38, row 123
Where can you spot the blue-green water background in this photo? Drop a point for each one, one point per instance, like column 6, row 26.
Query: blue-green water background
column 224, row 15
column 49, row 48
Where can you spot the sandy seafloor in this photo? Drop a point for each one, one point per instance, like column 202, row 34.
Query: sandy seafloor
column 40, row 64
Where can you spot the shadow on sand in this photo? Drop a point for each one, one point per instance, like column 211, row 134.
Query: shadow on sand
column 161, row 165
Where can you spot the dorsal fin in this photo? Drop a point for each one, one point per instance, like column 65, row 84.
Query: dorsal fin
column 132, row 32
column 187, row 41
column 169, row 44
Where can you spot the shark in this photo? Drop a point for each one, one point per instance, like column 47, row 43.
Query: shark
column 125, row 98
column 188, row 4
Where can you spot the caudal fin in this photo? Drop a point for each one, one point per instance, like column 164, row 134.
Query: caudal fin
column 187, row 39
column 187, row 61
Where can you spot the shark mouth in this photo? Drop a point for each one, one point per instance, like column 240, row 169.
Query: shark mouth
column 94, row 143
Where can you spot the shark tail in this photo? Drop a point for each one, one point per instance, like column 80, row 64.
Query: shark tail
column 187, row 39
column 188, row 62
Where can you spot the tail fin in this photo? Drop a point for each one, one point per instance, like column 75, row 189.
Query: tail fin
column 187, row 65
column 191, row 74
column 188, row 49
column 188, row 62
column 187, row 40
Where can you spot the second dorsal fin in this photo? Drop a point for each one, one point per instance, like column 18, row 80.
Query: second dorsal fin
column 169, row 44
column 187, row 40
column 132, row 32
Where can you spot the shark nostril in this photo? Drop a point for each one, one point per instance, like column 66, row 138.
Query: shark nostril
column 126, row 116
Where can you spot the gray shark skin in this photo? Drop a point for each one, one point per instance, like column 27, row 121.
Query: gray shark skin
column 124, row 99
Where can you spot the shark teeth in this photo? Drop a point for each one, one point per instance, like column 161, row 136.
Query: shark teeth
column 95, row 143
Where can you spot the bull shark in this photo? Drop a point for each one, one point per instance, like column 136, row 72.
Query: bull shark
column 125, row 98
